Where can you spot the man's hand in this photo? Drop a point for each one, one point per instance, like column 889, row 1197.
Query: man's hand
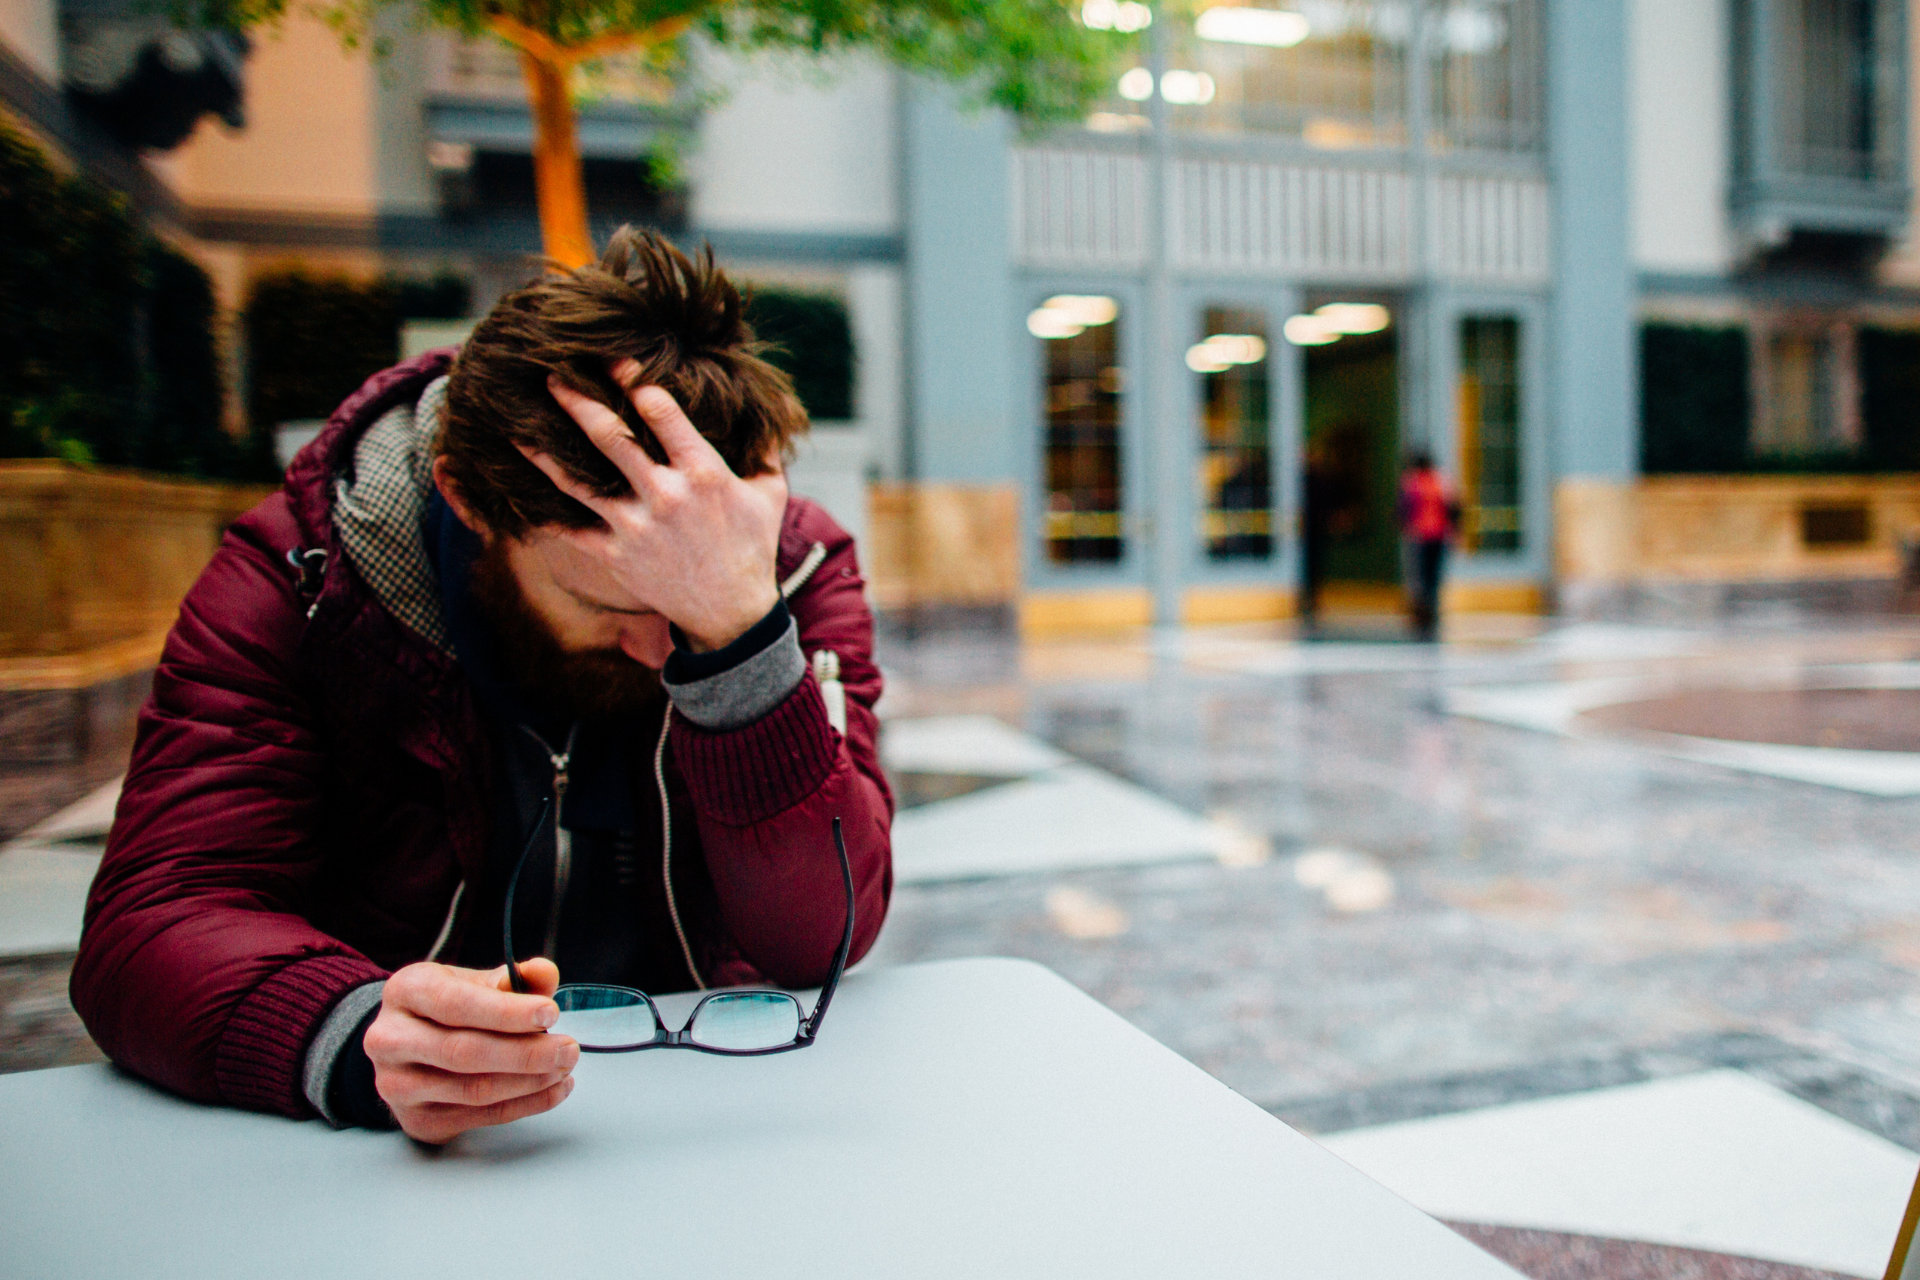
column 455, row 1049
column 694, row 541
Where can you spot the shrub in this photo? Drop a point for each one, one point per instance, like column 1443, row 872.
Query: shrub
column 311, row 341
column 107, row 347
column 813, row 342
column 1693, row 399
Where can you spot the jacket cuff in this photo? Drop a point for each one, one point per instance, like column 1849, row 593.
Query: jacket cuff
column 335, row 1042
column 262, row 1055
column 745, row 690
column 747, row 775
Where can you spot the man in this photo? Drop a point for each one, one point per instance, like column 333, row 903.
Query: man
column 526, row 596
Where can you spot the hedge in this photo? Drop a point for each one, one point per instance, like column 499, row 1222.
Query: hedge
column 107, row 350
column 312, row 340
column 813, row 342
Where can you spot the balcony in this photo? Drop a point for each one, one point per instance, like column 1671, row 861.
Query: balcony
column 1820, row 94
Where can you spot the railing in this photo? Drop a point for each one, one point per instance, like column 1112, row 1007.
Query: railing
column 1087, row 209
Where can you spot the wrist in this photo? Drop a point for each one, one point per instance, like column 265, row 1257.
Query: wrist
column 719, row 632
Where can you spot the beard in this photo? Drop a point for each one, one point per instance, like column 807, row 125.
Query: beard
column 589, row 684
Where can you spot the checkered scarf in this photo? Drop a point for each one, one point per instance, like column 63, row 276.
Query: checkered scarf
column 380, row 508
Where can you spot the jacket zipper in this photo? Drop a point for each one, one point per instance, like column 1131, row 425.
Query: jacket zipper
column 562, row 838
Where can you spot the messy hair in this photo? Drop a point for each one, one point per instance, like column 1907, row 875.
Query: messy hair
column 679, row 318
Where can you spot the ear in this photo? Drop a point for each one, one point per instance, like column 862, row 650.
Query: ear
column 443, row 481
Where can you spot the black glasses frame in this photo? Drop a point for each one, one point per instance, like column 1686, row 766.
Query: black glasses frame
column 681, row 1039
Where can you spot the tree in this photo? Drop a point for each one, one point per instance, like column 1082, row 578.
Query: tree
column 1031, row 57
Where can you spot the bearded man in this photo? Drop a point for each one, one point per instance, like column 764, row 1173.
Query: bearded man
column 549, row 593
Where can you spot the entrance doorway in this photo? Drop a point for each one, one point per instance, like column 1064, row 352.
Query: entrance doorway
column 1351, row 466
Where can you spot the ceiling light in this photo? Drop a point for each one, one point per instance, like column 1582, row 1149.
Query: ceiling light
column 1137, row 85
column 1045, row 322
column 1354, row 317
column 1187, row 88
column 1309, row 331
column 1275, row 28
column 1084, row 309
column 1115, row 15
column 1202, row 358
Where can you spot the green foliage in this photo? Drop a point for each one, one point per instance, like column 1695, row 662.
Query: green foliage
column 69, row 370
column 311, row 342
column 444, row 297
column 107, row 347
column 1890, row 397
column 1693, row 399
column 1031, row 57
column 810, row 339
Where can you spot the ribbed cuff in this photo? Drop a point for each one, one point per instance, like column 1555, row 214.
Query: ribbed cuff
column 338, row 1034
column 747, row 775
column 264, row 1046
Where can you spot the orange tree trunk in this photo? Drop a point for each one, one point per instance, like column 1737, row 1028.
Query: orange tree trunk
column 557, row 175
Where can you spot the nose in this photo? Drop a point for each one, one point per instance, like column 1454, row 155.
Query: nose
column 647, row 641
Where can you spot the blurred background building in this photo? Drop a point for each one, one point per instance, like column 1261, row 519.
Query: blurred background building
column 1640, row 274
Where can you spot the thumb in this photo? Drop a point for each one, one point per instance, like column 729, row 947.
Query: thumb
column 541, row 975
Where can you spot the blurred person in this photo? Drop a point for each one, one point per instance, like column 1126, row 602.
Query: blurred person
column 528, row 595
column 1429, row 516
column 1316, row 531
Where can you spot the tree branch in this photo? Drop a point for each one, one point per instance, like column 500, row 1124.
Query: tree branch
column 538, row 44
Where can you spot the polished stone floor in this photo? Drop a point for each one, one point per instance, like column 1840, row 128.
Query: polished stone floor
column 1368, row 883
column 1448, row 899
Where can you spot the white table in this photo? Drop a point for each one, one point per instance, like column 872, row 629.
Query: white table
column 973, row 1118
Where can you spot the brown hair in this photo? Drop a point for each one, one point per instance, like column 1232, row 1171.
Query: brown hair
column 679, row 318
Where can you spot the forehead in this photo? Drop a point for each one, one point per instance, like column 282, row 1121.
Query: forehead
column 554, row 561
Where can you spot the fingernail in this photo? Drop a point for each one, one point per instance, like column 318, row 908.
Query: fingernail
column 546, row 1015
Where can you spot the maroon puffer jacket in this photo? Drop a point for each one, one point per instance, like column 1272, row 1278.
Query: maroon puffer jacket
column 307, row 793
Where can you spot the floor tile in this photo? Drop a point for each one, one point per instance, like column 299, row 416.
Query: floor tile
column 1716, row 1161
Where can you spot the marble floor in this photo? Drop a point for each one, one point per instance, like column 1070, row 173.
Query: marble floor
column 1438, row 909
column 1377, row 886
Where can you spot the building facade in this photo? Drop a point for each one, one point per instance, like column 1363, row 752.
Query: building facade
column 1098, row 368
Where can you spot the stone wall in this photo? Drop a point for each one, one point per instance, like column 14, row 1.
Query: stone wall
column 92, row 557
column 1707, row 544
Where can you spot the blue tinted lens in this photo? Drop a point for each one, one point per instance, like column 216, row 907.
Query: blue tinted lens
column 604, row 1017
column 746, row 1020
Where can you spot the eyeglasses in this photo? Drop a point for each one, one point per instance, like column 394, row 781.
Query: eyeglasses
column 607, row 1019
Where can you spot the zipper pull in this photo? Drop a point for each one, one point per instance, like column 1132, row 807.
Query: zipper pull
column 826, row 669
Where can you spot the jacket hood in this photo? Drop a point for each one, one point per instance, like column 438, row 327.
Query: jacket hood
column 362, row 487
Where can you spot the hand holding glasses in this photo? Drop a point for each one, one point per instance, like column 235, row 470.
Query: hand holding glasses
column 608, row 1019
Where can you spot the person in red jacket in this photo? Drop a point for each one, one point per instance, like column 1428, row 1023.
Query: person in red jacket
column 1429, row 515
column 551, row 593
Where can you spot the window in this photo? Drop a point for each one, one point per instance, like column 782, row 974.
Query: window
column 1487, row 84
column 1808, row 399
column 1335, row 77
column 1236, row 484
column 1082, row 382
column 1828, row 87
column 1489, row 423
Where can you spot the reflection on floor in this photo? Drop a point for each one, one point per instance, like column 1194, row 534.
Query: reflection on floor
column 1053, row 813
column 1765, row 722
column 1716, row 1161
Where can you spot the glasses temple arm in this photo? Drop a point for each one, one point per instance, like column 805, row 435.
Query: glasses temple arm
column 518, row 983
column 846, row 939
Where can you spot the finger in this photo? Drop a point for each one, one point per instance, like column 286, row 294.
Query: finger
column 686, row 447
column 466, row 998
column 402, row 1040
column 414, row 1086
column 609, row 435
column 487, row 1052
column 439, row 1122
column 517, row 1109
column 540, row 974
column 551, row 468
